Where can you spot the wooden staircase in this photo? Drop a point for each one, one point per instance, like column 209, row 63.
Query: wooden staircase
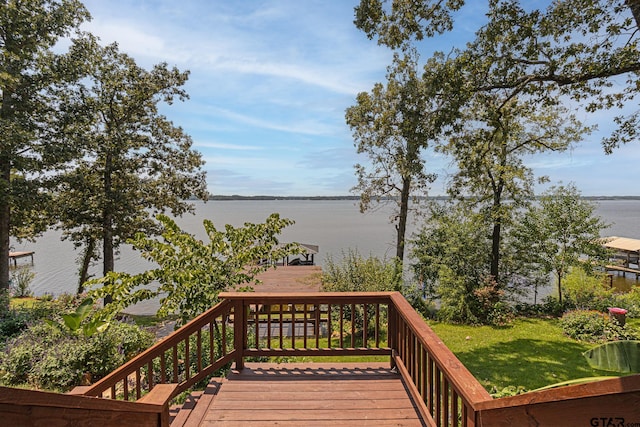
column 193, row 410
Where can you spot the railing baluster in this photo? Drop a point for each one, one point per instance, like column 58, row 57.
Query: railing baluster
column 341, row 325
column 438, row 401
column 163, row 368
column 365, row 322
column 257, row 325
column 377, row 326
column 225, row 319
column 187, row 361
column 329, row 332
column 150, row 373
column 199, row 350
column 293, row 326
column 211, row 343
column 268, row 310
column 138, row 389
column 430, row 381
column 281, row 330
column 318, row 312
column 306, row 316
column 353, row 325
column 455, row 409
column 445, row 400
column 175, row 363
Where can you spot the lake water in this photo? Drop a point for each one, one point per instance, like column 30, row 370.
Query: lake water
column 333, row 225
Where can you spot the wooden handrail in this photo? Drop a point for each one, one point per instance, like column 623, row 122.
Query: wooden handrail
column 608, row 402
column 20, row 407
column 169, row 360
column 351, row 323
column 302, row 324
column 444, row 390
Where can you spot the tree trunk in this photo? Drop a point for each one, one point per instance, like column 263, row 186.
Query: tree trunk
column 496, row 234
column 5, row 200
column 89, row 252
column 634, row 5
column 108, row 263
column 495, row 249
column 401, row 228
column 560, row 288
column 5, row 215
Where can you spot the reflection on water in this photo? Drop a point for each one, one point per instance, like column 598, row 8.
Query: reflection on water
column 622, row 283
column 333, row 225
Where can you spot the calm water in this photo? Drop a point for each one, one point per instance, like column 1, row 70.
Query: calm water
column 333, row 225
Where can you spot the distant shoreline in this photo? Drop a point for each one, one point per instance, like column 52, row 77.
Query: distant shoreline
column 321, row 198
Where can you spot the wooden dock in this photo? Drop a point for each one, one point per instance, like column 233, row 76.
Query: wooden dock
column 313, row 394
column 14, row 256
column 299, row 278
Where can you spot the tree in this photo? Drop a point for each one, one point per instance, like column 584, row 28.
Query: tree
column 191, row 273
column 560, row 233
column 33, row 124
column 585, row 49
column 451, row 262
column 498, row 131
column 391, row 126
column 136, row 164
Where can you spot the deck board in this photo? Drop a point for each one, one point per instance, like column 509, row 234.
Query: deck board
column 314, row 394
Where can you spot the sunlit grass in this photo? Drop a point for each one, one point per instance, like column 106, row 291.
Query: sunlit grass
column 529, row 352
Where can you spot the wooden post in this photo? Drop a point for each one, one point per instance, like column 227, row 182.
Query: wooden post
column 239, row 331
column 391, row 332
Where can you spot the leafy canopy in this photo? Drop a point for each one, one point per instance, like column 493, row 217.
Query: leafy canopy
column 190, row 272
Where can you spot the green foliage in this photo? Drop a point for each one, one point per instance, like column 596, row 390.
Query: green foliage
column 528, row 353
column 629, row 301
column 593, row 326
column 19, row 318
column 190, row 272
column 354, row 273
column 617, row 356
column 48, row 357
column 391, row 127
column 135, row 163
column 80, row 320
column 561, row 233
column 587, row 291
column 452, row 253
column 21, row 279
column 523, row 49
column 33, row 123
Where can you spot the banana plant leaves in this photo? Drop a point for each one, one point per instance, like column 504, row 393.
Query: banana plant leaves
column 618, row 356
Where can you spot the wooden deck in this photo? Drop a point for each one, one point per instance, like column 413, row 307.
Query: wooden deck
column 14, row 256
column 299, row 278
column 311, row 394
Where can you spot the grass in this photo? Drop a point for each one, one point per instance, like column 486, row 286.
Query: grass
column 528, row 353
column 25, row 302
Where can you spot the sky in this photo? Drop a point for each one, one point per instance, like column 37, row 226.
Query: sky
column 270, row 81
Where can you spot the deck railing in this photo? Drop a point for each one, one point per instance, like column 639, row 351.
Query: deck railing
column 185, row 357
column 261, row 325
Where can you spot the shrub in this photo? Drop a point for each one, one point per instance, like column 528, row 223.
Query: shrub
column 21, row 281
column 47, row 357
column 587, row 292
column 593, row 326
column 629, row 300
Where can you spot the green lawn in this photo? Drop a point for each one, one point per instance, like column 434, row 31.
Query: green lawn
column 528, row 353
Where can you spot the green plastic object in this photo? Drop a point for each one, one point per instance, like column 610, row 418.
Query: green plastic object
column 617, row 356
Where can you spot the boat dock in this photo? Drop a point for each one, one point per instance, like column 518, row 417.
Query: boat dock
column 626, row 255
column 14, row 256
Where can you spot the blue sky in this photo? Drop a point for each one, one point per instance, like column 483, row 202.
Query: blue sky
column 271, row 80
